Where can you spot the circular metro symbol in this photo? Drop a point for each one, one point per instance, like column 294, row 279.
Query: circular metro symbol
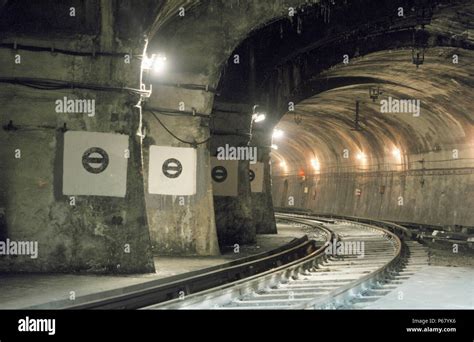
column 219, row 174
column 251, row 175
column 172, row 168
column 95, row 160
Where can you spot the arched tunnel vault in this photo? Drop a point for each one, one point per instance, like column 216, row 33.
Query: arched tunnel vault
column 287, row 63
column 429, row 182
column 198, row 44
column 205, row 47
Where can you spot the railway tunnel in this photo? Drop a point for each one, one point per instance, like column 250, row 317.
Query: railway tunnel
column 141, row 136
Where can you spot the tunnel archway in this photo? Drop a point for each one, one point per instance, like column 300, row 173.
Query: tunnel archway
column 314, row 83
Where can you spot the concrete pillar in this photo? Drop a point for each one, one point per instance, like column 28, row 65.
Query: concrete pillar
column 234, row 220
column 85, row 233
column 181, row 225
column 262, row 202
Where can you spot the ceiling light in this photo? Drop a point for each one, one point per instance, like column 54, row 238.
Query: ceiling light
column 157, row 63
column 396, row 153
column 315, row 164
column 277, row 133
column 258, row 117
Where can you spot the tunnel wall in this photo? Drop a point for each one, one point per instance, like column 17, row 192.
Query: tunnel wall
column 433, row 195
column 74, row 233
column 91, row 234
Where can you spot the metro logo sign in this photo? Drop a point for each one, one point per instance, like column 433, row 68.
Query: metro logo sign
column 172, row 170
column 224, row 175
column 95, row 164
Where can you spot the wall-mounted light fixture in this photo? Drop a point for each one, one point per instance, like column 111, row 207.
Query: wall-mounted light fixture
column 315, row 164
column 374, row 93
column 277, row 133
column 257, row 116
column 361, row 156
column 396, row 152
column 418, row 56
column 298, row 119
column 156, row 63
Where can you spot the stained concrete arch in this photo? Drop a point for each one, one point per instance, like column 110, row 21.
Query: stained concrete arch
column 198, row 44
column 328, row 117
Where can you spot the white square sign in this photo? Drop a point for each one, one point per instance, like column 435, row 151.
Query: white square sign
column 224, row 174
column 95, row 164
column 256, row 177
column 172, row 170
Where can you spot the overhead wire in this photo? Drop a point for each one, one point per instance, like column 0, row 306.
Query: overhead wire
column 191, row 143
column 50, row 84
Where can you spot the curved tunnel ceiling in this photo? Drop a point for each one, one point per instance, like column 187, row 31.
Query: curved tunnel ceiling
column 299, row 61
column 445, row 122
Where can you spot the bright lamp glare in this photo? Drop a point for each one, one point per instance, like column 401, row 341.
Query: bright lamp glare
column 315, row 164
column 396, row 153
column 283, row 164
column 258, row 117
column 277, row 133
column 147, row 62
column 361, row 156
column 275, row 147
column 159, row 63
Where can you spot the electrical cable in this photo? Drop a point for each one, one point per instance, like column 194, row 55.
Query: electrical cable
column 193, row 144
column 15, row 46
column 174, row 112
column 48, row 84
column 188, row 86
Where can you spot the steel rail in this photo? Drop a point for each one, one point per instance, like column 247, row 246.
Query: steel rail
column 208, row 278
column 363, row 283
column 228, row 292
column 273, row 275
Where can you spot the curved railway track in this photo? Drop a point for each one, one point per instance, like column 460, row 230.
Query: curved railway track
column 142, row 295
column 366, row 261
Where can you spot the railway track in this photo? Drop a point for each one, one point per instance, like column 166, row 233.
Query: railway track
column 142, row 295
column 358, row 263
column 367, row 259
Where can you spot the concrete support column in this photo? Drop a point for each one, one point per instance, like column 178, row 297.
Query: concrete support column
column 87, row 232
column 234, row 218
column 262, row 202
column 181, row 225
